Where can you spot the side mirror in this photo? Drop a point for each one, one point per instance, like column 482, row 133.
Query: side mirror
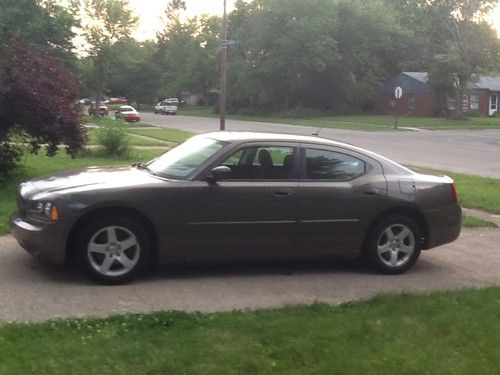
column 219, row 173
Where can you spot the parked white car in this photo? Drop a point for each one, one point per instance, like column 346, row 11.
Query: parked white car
column 165, row 108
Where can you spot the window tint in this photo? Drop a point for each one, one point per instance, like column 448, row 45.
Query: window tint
column 257, row 163
column 329, row 165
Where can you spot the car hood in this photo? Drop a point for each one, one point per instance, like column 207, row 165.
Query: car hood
column 85, row 179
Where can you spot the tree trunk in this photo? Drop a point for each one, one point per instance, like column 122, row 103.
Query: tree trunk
column 458, row 113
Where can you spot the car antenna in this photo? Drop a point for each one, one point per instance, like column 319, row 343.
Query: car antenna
column 317, row 131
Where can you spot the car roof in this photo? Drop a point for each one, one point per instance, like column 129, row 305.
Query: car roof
column 229, row 136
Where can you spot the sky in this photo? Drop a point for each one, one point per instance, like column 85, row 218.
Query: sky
column 150, row 13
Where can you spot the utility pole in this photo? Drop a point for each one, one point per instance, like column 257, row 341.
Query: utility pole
column 223, row 71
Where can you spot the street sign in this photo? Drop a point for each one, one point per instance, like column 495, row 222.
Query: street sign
column 398, row 92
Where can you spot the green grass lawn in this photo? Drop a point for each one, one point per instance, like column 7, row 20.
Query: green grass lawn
column 109, row 121
column 369, row 123
column 474, row 191
column 133, row 139
column 440, row 333
column 169, row 135
column 473, row 222
column 39, row 165
column 478, row 192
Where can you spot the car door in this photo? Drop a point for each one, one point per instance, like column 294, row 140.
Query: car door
column 251, row 212
column 337, row 194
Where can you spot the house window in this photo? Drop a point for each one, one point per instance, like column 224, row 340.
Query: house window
column 411, row 103
column 451, row 104
column 474, row 102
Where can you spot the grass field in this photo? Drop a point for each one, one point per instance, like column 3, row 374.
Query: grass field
column 367, row 123
column 132, row 139
column 474, row 191
column 169, row 135
column 39, row 165
column 441, row 333
column 473, row 222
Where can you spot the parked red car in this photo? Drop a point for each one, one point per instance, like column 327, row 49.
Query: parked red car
column 127, row 113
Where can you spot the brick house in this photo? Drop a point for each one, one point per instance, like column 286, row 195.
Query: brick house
column 484, row 97
column 420, row 99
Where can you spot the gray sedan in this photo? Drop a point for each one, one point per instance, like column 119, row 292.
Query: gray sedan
column 224, row 195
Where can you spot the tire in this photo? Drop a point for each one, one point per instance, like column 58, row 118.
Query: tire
column 113, row 249
column 393, row 245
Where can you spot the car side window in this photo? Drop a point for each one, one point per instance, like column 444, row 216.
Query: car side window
column 331, row 165
column 261, row 162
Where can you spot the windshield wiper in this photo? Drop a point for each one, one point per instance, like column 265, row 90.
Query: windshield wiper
column 145, row 167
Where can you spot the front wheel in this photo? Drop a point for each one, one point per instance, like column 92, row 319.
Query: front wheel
column 112, row 250
column 393, row 245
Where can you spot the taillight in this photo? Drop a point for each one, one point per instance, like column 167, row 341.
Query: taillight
column 454, row 193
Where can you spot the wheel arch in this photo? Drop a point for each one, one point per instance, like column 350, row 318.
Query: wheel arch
column 410, row 212
column 100, row 212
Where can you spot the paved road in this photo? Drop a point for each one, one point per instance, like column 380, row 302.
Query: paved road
column 468, row 151
column 31, row 290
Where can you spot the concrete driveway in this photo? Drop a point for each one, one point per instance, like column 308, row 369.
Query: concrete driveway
column 468, row 151
column 31, row 290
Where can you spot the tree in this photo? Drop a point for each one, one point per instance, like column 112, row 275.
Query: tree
column 471, row 45
column 104, row 23
column 38, row 95
column 189, row 53
column 323, row 54
column 132, row 71
column 44, row 24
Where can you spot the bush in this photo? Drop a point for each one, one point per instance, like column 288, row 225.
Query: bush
column 10, row 159
column 114, row 140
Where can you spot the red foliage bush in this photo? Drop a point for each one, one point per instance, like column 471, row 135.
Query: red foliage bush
column 39, row 95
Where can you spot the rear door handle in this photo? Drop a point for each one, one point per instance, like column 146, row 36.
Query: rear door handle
column 370, row 192
column 283, row 193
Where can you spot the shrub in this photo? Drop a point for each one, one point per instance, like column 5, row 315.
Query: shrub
column 114, row 140
column 10, row 159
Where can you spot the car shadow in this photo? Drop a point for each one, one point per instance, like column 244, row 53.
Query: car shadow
column 261, row 268
column 73, row 275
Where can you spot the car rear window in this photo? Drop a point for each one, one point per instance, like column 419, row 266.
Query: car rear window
column 331, row 165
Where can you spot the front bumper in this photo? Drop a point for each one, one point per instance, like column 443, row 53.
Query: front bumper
column 444, row 225
column 44, row 239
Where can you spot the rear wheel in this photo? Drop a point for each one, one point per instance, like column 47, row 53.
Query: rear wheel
column 112, row 250
column 394, row 244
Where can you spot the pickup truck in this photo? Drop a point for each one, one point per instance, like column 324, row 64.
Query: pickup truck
column 165, row 108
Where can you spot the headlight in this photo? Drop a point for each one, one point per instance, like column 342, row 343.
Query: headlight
column 46, row 211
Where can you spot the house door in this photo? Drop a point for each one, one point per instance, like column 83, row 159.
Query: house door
column 493, row 107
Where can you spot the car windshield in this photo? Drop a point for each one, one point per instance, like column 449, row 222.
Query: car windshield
column 179, row 162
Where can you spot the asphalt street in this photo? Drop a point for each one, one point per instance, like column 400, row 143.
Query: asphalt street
column 32, row 291
column 467, row 151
